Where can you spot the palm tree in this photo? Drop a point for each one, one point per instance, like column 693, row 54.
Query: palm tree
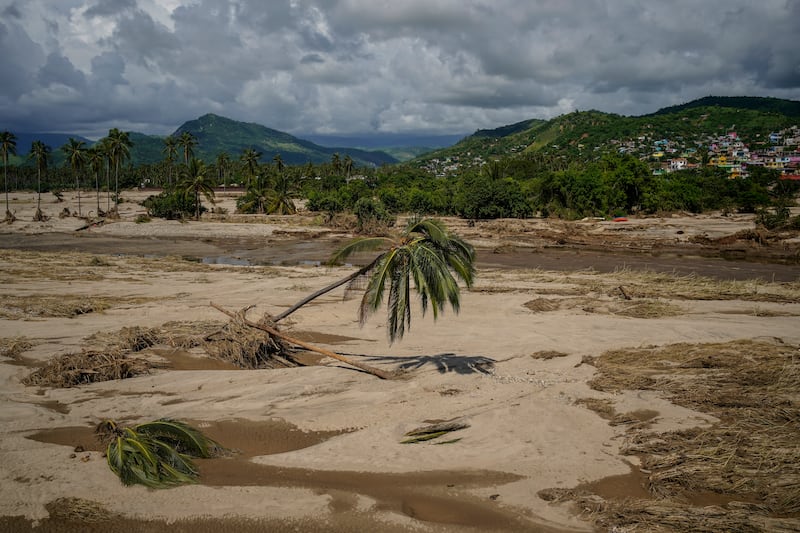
column 76, row 157
column 96, row 160
column 8, row 146
column 156, row 454
column 280, row 166
column 336, row 164
column 223, row 160
column 255, row 200
column 39, row 152
column 194, row 181
column 425, row 253
column 348, row 165
column 187, row 142
column 119, row 144
column 280, row 197
column 170, row 152
column 104, row 146
column 250, row 158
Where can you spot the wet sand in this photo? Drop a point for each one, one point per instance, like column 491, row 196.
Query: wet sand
column 289, row 252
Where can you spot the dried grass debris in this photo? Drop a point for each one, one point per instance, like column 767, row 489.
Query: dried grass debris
column 13, row 347
column 73, row 369
column 747, row 464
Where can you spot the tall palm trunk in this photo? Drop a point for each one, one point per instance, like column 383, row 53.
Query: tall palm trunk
column 97, row 189
column 327, row 289
column 116, row 184
column 108, row 188
column 38, row 189
column 5, row 180
column 78, row 190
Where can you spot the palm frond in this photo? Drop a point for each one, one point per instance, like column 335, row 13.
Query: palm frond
column 156, row 454
column 399, row 308
column 431, row 229
column 373, row 295
column 181, row 436
column 363, row 244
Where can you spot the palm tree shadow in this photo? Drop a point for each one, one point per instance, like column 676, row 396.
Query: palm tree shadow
column 444, row 362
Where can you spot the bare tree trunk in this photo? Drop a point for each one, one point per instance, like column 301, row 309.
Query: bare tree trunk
column 324, row 290
column 297, row 342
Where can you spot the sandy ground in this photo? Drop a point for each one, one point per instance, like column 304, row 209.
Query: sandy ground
column 526, row 432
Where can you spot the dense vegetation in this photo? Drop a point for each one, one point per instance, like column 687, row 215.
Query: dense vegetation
column 568, row 167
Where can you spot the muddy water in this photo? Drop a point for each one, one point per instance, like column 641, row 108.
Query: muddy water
column 316, row 251
column 434, row 497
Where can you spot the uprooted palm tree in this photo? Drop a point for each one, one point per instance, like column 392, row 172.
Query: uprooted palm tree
column 426, row 254
column 156, row 454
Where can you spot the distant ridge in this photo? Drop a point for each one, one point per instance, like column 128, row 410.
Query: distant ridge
column 216, row 134
column 54, row 140
column 588, row 135
column 789, row 108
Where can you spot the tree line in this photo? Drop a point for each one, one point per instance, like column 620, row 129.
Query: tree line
column 512, row 187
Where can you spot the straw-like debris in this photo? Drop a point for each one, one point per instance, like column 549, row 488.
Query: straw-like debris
column 78, row 510
column 13, row 347
column 747, row 464
column 72, row 369
column 45, row 306
column 175, row 334
column 247, row 347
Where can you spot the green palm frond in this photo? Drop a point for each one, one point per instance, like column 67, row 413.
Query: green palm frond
column 361, row 244
column 424, row 254
column 156, row 454
column 399, row 305
column 182, row 436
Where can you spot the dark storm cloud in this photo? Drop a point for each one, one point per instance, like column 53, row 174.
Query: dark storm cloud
column 109, row 8
column 340, row 66
column 59, row 69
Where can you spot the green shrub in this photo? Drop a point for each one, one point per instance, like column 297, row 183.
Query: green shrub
column 171, row 205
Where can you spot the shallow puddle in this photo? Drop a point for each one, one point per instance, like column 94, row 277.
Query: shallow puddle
column 183, row 360
column 621, row 487
column 436, row 497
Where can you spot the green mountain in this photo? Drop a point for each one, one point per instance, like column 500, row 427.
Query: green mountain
column 146, row 148
column 587, row 135
column 216, row 134
column 790, row 108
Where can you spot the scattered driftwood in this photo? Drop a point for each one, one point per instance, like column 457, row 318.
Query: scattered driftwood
column 433, row 431
column 297, row 342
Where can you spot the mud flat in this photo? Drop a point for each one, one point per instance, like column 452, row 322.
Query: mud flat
column 590, row 396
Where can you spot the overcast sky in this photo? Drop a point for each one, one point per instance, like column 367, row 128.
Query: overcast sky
column 360, row 66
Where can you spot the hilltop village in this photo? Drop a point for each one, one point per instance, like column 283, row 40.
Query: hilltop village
column 778, row 150
column 727, row 151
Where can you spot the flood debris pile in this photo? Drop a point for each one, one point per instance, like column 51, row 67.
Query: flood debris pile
column 117, row 354
column 740, row 474
column 248, row 347
column 49, row 306
column 72, row 369
column 13, row 347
